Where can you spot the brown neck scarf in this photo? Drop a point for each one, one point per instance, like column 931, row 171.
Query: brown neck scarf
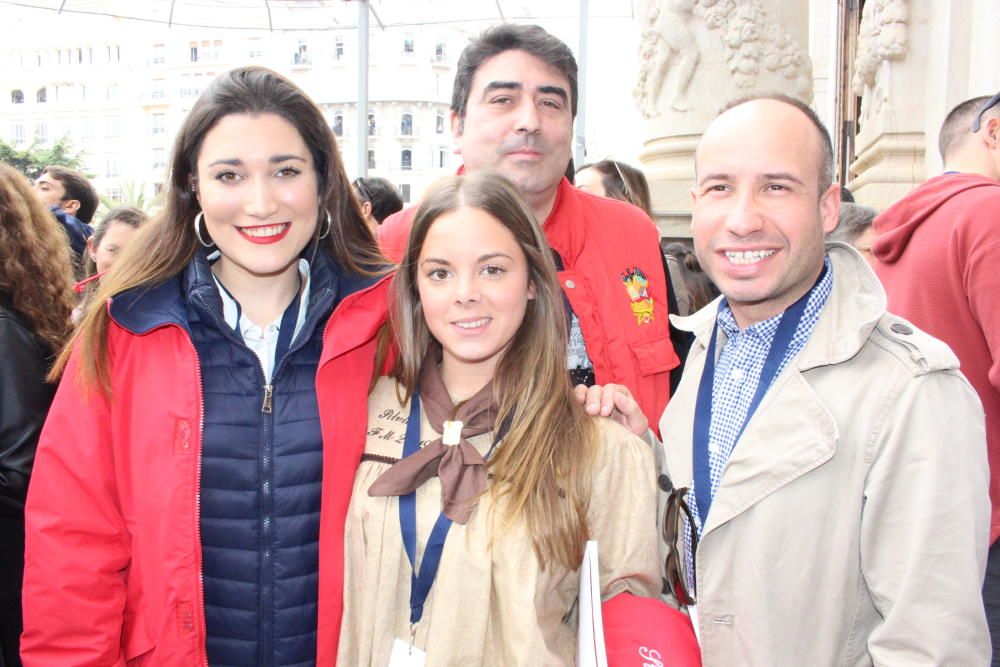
column 457, row 462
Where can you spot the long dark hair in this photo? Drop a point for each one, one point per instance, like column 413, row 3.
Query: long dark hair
column 164, row 247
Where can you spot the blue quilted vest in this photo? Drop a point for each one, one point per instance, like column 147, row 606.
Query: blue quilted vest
column 261, row 481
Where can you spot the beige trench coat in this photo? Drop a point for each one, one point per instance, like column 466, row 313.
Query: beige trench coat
column 852, row 521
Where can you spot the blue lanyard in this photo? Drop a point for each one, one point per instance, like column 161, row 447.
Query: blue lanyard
column 420, row 583
column 703, row 408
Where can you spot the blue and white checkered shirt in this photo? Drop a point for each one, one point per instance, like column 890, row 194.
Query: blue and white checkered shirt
column 737, row 373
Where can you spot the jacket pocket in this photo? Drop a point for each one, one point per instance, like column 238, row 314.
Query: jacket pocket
column 655, row 355
column 137, row 640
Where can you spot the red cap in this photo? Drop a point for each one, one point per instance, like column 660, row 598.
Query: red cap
column 644, row 632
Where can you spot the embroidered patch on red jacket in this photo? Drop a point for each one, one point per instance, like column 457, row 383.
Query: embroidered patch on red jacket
column 636, row 285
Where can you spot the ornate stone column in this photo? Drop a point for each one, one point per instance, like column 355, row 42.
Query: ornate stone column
column 916, row 60
column 889, row 148
column 695, row 55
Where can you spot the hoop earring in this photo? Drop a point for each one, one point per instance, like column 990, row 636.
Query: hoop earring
column 197, row 229
column 329, row 224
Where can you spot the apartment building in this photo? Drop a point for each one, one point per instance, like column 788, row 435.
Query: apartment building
column 119, row 89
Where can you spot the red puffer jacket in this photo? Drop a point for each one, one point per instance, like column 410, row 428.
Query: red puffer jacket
column 113, row 557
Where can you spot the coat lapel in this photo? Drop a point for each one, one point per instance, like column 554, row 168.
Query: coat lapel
column 791, row 434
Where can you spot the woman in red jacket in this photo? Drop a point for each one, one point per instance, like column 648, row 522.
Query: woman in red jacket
column 190, row 477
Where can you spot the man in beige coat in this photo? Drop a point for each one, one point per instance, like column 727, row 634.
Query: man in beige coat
column 833, row 469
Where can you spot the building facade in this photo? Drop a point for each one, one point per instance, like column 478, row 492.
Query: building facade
column 882, row 74
column 119, row 90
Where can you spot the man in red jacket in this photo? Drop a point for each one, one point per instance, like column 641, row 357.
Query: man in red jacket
column 513, row 104
column 938, row 252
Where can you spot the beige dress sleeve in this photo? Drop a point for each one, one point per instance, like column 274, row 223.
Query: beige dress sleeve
column 492, row 603
column 622, row 514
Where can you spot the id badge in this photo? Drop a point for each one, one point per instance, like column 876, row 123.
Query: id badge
column 405, row 655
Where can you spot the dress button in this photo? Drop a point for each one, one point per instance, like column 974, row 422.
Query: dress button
column 901, row 328
column 570, row 284
column 664, row 483
column 736, row 374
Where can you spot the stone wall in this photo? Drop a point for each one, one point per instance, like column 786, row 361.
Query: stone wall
column 696, row 55
column 914, row 61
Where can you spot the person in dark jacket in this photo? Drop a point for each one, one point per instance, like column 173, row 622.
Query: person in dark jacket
column 194, row 471
column 73, row 200
column 35, row 302
column 69, row 190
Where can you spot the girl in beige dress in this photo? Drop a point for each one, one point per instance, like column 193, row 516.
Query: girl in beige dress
column 479, row 464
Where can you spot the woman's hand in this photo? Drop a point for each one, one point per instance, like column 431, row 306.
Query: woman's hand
column 615, row 401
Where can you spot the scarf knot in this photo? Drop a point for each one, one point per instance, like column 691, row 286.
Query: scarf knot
column 456, row 461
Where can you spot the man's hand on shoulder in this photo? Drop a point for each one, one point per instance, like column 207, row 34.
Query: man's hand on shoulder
column 614, row 401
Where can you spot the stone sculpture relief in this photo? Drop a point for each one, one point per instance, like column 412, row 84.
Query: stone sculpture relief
column 882, row 37
column 669, row 40
column 753, row 45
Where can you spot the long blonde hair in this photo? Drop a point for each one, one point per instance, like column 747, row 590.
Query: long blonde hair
column 542, row 467
column 36, row 271
column 163, row 247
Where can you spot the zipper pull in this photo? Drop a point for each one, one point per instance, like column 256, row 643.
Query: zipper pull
column 266, row 408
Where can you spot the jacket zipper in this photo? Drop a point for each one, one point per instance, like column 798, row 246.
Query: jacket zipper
column 266, row 566
column 267, row 460
column 267, row 585
column 267, row 406
column 197, row 504
column 268, row 392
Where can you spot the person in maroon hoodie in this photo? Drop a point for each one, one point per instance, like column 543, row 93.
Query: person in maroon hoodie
column 938, row 250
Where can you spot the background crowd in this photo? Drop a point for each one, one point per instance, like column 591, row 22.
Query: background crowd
column 245, row 379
